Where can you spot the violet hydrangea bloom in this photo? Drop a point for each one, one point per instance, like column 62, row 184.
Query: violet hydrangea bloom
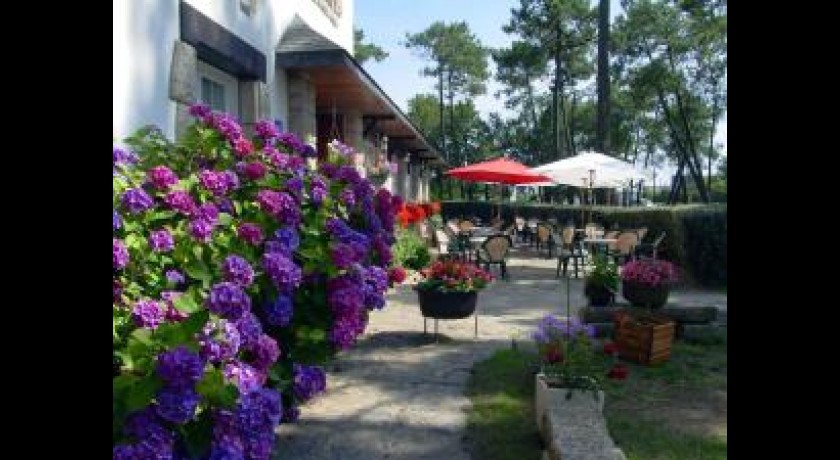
column 154, row 440
column 216, row 182
column 265, row 352
column 289, row 240
column 136, row 200
column 201, row 230
column 226, row 206
column 161, row 241
column 179, row 367
column 120, row 254
column 147, row 313
column 117, row 221
column 238, row 270
column 280, row 311
column 175, row 277
column 285, row 274
column 318, row 190
column 281, row 205
column 347, row 197
column 308, row 381
column 161, row 177
column 294, row 186
column 220, row 341
column 124, row 157
column 176, row 405
column 242, row 147
column 201, row 111
column 228, row 300
column 244, row 376
column 180, row 201
column 208, row 212
column 250, row 329
column 257, row 415
column 250, row 233
column 266, row 129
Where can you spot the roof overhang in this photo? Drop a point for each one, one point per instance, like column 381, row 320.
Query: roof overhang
column 342, row 84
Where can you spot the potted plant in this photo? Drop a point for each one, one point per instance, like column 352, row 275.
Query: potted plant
column 601, row 285
column 449, row 289
column 647, row 282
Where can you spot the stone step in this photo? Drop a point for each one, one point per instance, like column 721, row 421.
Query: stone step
column 682, row 315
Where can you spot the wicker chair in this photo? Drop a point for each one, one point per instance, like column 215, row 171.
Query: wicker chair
column 465, row 226
column 642, row 232
column 623, row 249
column 494, row 251
column 543, row 238
column 570, row 249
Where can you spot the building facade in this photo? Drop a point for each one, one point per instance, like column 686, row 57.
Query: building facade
column 285, row 60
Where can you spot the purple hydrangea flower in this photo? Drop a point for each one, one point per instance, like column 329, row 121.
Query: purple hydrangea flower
column 265, row 352
column 308, row 381
column 155, row 441
column 344, row 255
column 280, row 311
column 278, row 159
column 176, row 405
column 318, row 190
column 147, row 313
column 180, row 201
column 201, row 230
column 120, row 254
column 282, row 271
column 289, row 240
column 118, row 289
column 220, row 341
column 238, row 270
column 345, row 330
column 117, row 221
column 179, row 367
column 259, row 410
column 244, row 376
column 200, row 111
column 280, row 205
column 250, row 329
column 208, row 212
column 266, row 129
column 250, row 233
column 377, row 277
column 226, row 451
column 255, row 170
column 231, row 179
column 295, row 186
column 216, row 182
column 228, row 300
column 161, row 241
column 347, row 197
column 227, row 125
column 124, row 157
column 136, row 200
column 161, row 177
column 175, row 277
column 226, row 206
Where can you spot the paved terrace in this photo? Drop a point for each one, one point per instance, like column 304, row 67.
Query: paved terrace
column 400, row 395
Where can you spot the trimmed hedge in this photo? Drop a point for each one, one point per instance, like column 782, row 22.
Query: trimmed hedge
column 695, row 234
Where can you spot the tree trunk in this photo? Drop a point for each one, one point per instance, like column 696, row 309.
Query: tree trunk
column 455, row 142
column 555, row 97
column 602, row 128
column 442, row 125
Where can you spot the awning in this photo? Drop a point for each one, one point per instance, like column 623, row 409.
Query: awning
column 342, row 84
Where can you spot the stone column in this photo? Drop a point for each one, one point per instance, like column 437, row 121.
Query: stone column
column 401, row 179
column 183, row 78
column 353, row 130
column 414, row 181
column 253, row 103
column 301, row 105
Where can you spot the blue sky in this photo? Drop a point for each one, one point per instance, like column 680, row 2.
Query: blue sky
column 385, row 23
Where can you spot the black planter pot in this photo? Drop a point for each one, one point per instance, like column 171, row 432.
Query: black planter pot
column 447, row 305
column 598, row 296
column 642, row 295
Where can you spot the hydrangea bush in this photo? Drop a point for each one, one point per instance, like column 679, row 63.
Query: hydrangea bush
column 241, row 266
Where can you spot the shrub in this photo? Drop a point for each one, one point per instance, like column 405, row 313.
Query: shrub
column 240, row 267
column 410, row 250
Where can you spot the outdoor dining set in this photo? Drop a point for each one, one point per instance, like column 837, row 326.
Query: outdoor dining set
column 491, row 245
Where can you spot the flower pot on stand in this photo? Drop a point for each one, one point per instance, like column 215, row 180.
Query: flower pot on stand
column 446, row 305
column 645, row 295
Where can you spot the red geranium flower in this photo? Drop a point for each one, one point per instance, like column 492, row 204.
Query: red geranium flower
column 396, row 275
column 610, row 348
column 619, row 371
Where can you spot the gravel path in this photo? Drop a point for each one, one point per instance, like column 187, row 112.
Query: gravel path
column 400, row 395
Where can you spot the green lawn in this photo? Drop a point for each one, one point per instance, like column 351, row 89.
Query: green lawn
column 676, row 410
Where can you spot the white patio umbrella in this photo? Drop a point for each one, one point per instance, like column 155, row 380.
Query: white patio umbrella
column 591, row 169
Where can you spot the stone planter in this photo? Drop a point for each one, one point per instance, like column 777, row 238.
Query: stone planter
column 645, row 296
column 447, row 305
column 545, row 396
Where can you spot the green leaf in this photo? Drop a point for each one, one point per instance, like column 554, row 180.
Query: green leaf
column 225, row 219
column 199, row 270
column 186, row 302
column 213, row 388
column 183, row 333
column 142, row 392
column 197, row 434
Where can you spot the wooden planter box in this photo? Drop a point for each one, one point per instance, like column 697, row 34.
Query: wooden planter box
column 645, row 339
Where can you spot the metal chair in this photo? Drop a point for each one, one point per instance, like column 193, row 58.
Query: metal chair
column 649, row 250
column 494, row 251
column 570, row 249
column 543, row 238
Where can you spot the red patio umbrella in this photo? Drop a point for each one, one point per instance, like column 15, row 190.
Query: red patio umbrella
column 499, row 171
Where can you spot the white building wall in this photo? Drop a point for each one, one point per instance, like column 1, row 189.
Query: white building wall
column 144, row 33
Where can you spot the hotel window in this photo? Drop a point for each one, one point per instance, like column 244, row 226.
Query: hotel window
column 218, row 89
